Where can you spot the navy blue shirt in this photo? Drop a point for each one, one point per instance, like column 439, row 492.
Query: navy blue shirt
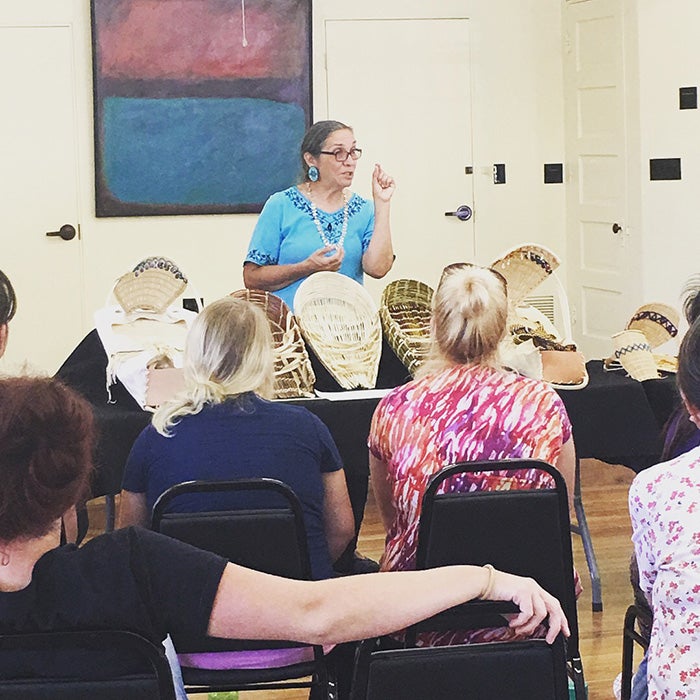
column 244, row 438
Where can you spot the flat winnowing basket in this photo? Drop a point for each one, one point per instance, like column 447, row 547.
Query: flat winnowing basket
column 294, row 376
column 658, row 322
column 153, row 285
column 525, row 268
column 405, row 312
column 339, row 320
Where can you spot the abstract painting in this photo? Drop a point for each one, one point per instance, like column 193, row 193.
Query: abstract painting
column 200, row 105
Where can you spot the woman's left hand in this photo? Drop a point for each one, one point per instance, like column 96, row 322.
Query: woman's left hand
column 534, row 602
column 383, row 185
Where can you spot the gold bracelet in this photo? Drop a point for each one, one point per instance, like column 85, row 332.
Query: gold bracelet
column 486, row 592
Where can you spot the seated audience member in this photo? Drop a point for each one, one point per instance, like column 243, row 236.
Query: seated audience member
column 680, row 436
column 8, row 306
column 664, row 502
column 680, row 433
column 462, row 407
column 222, row 427
column 142, row 581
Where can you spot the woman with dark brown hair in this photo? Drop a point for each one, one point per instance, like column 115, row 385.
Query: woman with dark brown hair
column 151, row 584
column 664, row 501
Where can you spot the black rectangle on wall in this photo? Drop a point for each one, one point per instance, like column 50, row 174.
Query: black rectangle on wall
column 665, row 169
column 688, row 97
column 499, row 173
column 553, row 173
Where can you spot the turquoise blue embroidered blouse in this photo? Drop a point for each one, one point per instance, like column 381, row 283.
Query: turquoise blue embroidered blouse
column 286, row 233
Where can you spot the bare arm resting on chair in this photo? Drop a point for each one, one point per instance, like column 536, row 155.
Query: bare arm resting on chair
column 253, row 605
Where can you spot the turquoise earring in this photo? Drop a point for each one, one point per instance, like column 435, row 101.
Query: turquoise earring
column 313, row 173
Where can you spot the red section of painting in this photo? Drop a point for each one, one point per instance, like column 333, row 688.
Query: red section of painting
column 191, row 40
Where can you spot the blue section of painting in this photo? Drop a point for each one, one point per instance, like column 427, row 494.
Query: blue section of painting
column 200, row 150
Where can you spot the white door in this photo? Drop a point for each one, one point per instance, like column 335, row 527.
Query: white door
column 603, row 250
column 38, row 180
column 416, row 104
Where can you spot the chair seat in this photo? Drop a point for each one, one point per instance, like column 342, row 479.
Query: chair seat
column 244, row 676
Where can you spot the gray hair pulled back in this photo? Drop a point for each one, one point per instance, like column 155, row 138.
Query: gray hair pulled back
column 314, row 139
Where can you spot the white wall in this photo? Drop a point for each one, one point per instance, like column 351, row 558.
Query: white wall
column 518, row 115
column 518, row 120
column 668, row 60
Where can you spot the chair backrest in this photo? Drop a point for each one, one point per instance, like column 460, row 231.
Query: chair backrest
column 83, row 665
column 524, row 670
column 524, row 532
column 271, row 539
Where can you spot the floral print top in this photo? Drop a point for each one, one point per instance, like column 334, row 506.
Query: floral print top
column 664, row 506
column 463, row 413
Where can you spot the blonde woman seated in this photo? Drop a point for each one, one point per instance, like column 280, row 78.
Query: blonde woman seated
column 223, row 427
column 462, row 407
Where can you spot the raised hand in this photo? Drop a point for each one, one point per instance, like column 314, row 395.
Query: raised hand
column 383, row 185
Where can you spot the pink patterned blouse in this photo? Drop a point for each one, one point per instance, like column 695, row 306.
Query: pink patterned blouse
column 664, row 506
column 463, row 413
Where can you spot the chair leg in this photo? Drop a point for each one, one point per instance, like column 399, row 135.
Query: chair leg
column 627, row 653
column 629, row 636
column 581, row 529
column 578, row 679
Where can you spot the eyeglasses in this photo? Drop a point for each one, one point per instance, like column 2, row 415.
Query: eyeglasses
column 461, row 265
column 341, row 155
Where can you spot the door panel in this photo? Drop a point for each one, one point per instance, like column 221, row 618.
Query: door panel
column 38, row 177
column 602, row 260
column 418, row 103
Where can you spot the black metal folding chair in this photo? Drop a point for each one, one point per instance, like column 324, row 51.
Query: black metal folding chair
column 524, row 532
column 269, row 538
column 522, row 670
column 83, row 665
column 630, row 635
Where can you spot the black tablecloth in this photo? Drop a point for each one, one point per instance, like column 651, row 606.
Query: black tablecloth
column 615, row 419
column 619, row 420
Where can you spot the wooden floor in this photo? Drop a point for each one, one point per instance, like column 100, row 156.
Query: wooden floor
column 605, row 499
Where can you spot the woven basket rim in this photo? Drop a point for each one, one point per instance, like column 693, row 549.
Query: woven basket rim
column 152, row 285
column 633, row 351
column 525, row 267
column 352, row 364
column 658, row 321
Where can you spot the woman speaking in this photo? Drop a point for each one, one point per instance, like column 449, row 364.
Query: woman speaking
column 320, row 224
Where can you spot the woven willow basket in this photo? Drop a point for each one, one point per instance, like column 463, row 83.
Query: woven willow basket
column 341, row 323
column 405, row 312
column 153, row 285
column 525, row 268
column 658, row 322
column 633, row 352
column 294, row 376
